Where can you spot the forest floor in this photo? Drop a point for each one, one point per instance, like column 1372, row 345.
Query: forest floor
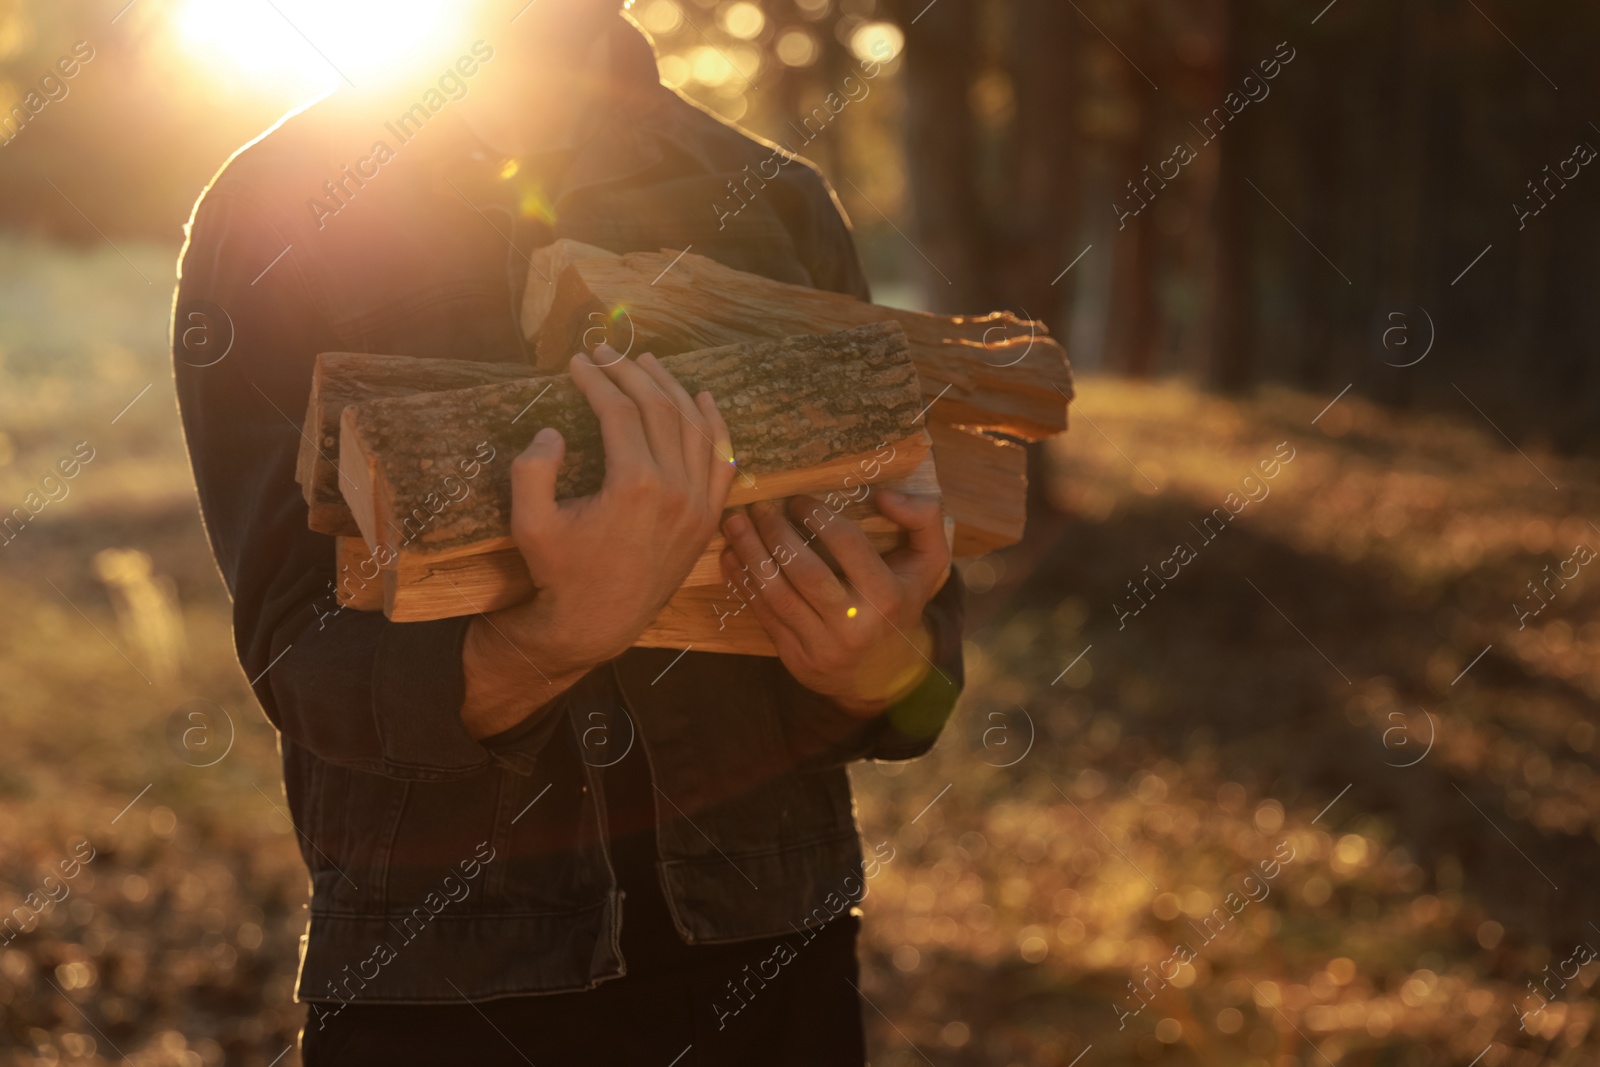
column 1324, row 720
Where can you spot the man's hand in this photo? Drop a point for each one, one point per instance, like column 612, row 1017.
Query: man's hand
column 603, row 565
column 861, row 641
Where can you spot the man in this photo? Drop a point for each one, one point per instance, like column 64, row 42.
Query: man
column 529, row 841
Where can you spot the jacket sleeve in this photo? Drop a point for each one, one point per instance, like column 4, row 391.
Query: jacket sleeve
column 818, row 731
column 350, row 686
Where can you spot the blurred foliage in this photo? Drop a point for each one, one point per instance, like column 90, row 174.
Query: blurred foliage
column 1398, row 144
column 1182, row 748
column 1170, row 758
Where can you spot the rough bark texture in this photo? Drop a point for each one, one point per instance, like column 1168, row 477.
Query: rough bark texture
column 344, row 378
column 420, row 587
column 993, row 372
column 431, row 473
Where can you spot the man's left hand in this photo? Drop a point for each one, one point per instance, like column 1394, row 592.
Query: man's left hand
column 860, row 641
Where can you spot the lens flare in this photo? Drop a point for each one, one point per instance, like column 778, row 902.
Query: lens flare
column 317, row 45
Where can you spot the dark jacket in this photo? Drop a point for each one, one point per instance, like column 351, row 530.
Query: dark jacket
column 444, row 866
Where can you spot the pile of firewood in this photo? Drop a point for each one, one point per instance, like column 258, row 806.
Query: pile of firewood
column 408, row 461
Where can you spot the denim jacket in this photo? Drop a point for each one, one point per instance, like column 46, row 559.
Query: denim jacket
column 444, row 866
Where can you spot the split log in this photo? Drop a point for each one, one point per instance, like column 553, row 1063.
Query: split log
column 983, row 478
column 709, row 618
column 702, row 616
column 984, row 482
column 357, row 575
column 990, row 372
column 344, row 378
column 422, row 586
column 429, row 475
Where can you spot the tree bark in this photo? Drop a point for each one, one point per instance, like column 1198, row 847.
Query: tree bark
column 432, row 472
column 419, row 587
column 993, row 372
column 344, row 378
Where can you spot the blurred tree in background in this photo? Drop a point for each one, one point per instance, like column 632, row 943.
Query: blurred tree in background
column 1410, row 174
column 1356, row 184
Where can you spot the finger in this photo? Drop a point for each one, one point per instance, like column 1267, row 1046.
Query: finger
column 761, row 573
column 659, row 417
column 806, row 571
column 724, row 467
column 621, row 431
column 604, row 355
column 694, row 434
column 926, row 554
column 784, row 640
column 533, row 482
column 847, row 543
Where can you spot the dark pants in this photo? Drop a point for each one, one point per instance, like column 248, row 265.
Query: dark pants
column 808, row 1013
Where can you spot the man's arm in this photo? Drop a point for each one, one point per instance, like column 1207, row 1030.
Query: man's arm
column 435, row 699
column 350, row 686
column 604, row 565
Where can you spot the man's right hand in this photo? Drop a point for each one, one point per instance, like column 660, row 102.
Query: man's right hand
column 603, row 565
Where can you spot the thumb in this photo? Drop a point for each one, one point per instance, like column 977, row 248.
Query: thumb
column 533, row 479
column 926, row 552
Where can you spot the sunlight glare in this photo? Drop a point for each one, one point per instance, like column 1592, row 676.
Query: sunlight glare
column 303, row 45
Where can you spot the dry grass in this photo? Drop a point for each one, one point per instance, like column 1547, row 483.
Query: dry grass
column 1168, row 762
column 1189, row 743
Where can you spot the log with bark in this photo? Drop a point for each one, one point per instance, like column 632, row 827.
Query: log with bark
column 426, row 445
column 345, row 378
column 983, row 479
column 993, row 372
column 428, row 476
column 418, row 586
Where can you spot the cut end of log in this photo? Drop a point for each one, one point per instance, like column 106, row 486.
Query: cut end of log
column 344, row 378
